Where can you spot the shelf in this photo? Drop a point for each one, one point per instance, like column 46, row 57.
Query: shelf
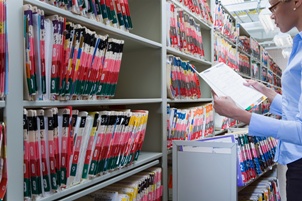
column 33, row 104
column 276, row 75
column 262, row 65
column 145, row 161
column 257, row 61
column 223, row 131
column 240, row 125
column 219, row 132
column 210, row 135
column 244, row 75
column 200, row 100
column 225, row 38
column 192, row 58
column 203, row 24
column 93, row 24
column 244, row 52
column 267, row 83
column 240, row 188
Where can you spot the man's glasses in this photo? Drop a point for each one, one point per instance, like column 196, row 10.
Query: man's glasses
column 273, row 7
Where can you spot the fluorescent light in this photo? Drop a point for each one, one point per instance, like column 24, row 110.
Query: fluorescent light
column 286, row 52
column 228, row 2
column 283, row 40
column 266, row 21
column 244, row 5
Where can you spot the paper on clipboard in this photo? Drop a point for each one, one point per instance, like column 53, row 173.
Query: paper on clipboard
column 224, row 81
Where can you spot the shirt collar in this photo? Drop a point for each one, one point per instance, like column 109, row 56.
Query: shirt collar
column 298, row 37
column 296, row 42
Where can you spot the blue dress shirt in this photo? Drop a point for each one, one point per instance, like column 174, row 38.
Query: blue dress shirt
column 288, row 130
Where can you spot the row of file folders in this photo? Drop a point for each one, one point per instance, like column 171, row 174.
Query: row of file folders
column 256, row 155
column 199, row 8
column 267, row 189
column 182, row 80
column 3, row 161
column 143, row 186
column 114, row 13
column 189, row 123
column 3, row 50
column 66, row 61
column 64, row 147
column 3, row 91
column 184, row 32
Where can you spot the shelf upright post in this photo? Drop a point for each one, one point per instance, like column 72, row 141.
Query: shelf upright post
column 164, row 98
column 13, row 114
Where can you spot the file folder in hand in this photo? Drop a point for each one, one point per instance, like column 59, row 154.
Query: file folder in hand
column 224, row 81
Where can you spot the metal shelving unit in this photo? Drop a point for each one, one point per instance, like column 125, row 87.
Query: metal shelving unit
column 143, row 54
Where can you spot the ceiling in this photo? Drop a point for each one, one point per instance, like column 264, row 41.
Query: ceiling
column 247, row 13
